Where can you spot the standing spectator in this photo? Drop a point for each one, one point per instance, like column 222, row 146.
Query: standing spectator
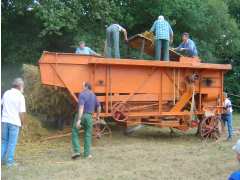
column 13, row 109
column 163, row 34
column 113, row 39
column 227, row 116
column 236, row 175
column 87, row 104
column 187, row 46
column 82, row 49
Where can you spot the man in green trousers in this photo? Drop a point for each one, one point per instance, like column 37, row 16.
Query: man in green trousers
column 163, row 35
column 88, row 102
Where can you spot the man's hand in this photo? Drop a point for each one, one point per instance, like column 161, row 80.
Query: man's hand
column 78, row 124
column 98, row 118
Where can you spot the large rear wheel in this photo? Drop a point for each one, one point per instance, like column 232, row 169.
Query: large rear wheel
column 210, row 127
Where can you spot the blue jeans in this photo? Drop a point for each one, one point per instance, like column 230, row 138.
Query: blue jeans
column 9, row 141
column 162, row 49
column 113, row 42
column 227, row 118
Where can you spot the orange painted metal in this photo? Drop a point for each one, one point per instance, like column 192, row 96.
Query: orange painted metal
column 164, row 94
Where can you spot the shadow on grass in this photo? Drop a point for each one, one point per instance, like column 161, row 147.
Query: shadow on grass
column 154, row 133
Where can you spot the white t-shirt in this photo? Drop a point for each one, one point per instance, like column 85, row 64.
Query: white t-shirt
column 120, row 28
column 228, row 105
column 13, row 103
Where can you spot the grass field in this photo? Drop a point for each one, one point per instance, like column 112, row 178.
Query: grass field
column 150, row 153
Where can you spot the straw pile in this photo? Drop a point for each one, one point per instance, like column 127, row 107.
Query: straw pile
column 49, row 103
column 32, row 130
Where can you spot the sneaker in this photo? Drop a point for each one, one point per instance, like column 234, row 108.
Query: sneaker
column 75, row 155
column 89, row 156
column 229, row 139
column 12, row 165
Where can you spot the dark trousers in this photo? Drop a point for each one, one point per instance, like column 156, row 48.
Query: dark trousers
column 162, row 49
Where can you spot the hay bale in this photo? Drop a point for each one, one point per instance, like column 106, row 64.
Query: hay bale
column 50, row 103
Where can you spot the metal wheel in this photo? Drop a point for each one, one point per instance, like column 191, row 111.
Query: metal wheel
column 210, row 127
column 100, row 128
column 120, row 112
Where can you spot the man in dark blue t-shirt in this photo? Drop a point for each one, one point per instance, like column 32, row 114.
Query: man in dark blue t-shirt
column 88, row 102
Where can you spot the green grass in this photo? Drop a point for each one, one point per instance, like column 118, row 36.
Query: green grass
column 150, row 153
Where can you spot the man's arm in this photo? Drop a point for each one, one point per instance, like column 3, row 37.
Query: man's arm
column 125, row 34
column 179, row 47
column 76, row 51
column 98, row 108
column 171, row 34
column 92, row 52
column 22, row 118
column 22, row 111
column 80, row 113
column 98, row 112
column 81, row 100
column 153, row 27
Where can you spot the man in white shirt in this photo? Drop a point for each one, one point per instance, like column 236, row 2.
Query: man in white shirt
column 113, row 39
column 227, row 116
column 13, row 109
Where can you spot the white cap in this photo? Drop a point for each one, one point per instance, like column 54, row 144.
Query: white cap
column 18, row 82
column 161, row 17
column 236, row 147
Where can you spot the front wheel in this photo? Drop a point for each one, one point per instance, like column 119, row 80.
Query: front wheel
column 100, row 129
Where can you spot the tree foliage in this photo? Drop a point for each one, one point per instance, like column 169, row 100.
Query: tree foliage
column 57, row 25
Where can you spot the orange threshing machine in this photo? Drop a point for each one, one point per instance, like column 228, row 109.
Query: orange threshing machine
column 181, row 94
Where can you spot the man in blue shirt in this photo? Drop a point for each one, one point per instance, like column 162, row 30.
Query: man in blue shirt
column 187, row 46
column 236, row 175
column 82, row 49
column 87, row 102
column 163, row 34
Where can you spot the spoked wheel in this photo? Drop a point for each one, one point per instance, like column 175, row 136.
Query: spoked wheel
column 120, row 112
column 210, row 127
column 100, row 129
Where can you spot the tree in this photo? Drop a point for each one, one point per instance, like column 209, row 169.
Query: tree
column 58, row 25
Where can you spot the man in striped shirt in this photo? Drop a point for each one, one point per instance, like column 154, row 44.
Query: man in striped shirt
column 163, row 35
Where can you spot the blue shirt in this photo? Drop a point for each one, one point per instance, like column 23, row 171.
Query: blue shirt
column 235, row 176
column 191, row 47
column 162, row 29
column 89, row 100
column 85, row 50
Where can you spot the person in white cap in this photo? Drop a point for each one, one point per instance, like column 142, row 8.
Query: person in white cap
column 13, row 109
column 236, row 174
column 163, row 35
